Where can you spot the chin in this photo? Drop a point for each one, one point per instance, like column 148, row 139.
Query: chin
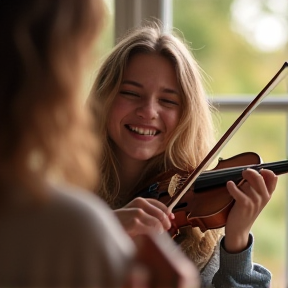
column 145, row 156
column 142, row 158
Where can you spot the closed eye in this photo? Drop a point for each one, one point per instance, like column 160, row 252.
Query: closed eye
column 128, row 93
column 168, row 101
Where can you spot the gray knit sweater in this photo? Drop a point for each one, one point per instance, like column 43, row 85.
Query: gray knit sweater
column 226, row 270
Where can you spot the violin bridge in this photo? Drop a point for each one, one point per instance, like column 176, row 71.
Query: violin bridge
column 173, row 184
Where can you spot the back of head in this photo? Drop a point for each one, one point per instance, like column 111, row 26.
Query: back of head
column 44, row 128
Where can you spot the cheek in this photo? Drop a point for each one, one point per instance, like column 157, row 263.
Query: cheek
column 118, row 109
column 172, row 121
column 115, row 113
column 115, row 117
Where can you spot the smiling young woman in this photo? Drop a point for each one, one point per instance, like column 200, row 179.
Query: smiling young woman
column 158, row 118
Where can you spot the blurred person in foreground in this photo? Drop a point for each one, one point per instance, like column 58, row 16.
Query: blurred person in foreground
column 53, row 233
column 49, row 230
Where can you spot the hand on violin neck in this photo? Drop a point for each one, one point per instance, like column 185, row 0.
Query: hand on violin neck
column 250, row 199
column 145, row 216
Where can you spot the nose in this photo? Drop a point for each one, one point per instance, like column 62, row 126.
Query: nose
column 148, row 109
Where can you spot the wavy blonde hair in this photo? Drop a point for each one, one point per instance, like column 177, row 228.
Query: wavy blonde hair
column 45, row 129
column 191, row 140
column 194, row 135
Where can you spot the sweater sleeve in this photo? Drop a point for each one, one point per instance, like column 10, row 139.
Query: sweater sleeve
column 238, row 270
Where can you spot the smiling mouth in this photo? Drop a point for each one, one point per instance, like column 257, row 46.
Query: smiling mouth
column 142, row 131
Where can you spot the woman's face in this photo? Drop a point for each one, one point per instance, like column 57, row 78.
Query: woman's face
column 146, row 109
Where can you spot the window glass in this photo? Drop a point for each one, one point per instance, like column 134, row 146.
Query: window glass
column 241, row 44
column 103, row 46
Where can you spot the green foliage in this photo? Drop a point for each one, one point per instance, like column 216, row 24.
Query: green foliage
column 234, row 65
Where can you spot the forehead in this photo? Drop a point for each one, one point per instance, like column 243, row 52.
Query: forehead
column 147, row 65
column 142, row 57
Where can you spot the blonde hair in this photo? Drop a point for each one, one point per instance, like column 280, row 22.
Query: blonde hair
column 45, row 130
column 194, row 135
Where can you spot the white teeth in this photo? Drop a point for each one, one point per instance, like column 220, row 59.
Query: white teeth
column 143, row 131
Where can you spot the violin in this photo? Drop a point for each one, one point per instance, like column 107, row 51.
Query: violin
column 207, row 202
column 200, row 198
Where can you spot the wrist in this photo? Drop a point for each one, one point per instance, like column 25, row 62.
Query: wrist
column 236, row 243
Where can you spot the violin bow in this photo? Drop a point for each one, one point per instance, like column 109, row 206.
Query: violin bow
column 279, row 76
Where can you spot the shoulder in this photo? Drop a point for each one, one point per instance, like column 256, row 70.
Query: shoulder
column 73, row 229
column 88, row 221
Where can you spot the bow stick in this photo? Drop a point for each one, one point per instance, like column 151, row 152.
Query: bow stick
column 280, row 75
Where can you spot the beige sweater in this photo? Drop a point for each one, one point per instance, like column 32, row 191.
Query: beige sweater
column 72, row 241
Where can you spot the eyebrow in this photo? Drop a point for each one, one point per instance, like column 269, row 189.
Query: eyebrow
column 132, row 83
column 166, row 90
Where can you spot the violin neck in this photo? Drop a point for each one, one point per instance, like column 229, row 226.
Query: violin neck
column 280, row 167
column 217, row 178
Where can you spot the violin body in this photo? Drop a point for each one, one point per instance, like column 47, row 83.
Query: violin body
column 207, row 202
